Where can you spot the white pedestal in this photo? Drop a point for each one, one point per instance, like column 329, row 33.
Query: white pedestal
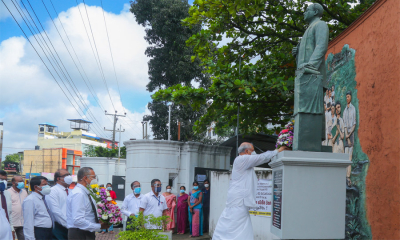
column 309, row 199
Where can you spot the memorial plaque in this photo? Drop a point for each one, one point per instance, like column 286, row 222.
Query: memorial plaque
column 277, row 205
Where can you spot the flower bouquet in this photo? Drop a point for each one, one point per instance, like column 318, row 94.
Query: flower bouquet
column 285, row 137
column 107, row 209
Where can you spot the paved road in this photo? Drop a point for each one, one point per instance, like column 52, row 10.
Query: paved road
column 107, row 236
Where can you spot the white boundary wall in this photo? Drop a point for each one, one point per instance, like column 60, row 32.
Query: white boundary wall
column 219, row 189
column 149, row 159
column 104, row 167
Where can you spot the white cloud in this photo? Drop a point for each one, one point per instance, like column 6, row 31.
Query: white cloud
column 29, row 95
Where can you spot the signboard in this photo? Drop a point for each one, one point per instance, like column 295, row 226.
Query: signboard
column 11, row 166
column 32, row 175
column 49, row 176
column 277, row 207
column 201, row 178
column 263, row 198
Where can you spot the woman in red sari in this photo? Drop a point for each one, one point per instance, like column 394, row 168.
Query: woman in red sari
column 182, row 211
column 171, row 204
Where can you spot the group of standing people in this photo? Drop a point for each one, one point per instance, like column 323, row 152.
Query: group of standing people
column 192, row 210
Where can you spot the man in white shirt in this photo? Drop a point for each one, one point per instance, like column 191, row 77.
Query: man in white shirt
column 57, row 203
column 5, row 199
column 349, row 118
column 131, row 204
column 82, row 219
column 38, row 222
column 18, row 195
column 234, row 222
column 153, row 203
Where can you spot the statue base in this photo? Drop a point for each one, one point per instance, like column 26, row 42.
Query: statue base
column 309, row 195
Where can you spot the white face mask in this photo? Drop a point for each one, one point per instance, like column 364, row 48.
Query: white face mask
column 68, row 179
column 253, row 153
column 169, row 190
column 45, row 190
column 206, row 185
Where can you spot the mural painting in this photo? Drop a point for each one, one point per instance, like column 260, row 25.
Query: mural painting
column 341, row 126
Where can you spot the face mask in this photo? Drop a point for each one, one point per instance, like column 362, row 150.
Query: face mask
column 157, row 189
column 68, row 179
column 94, row 181
column 3, row 184
column 253, row 153
column 109, row 188
column 137, row 190
column 182, row 191
column 206, row 185
column 46, row 190
column 20, row 185
column 196, row 187
column 169, row 190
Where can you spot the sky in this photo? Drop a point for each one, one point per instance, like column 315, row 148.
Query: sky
column 30, row 95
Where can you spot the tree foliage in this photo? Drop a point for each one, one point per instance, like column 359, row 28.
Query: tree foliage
column 170, row 62
column 93, row 151
column 245, row 45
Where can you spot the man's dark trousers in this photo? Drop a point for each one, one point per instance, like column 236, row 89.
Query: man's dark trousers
column 60, row 232
column 206, row 218
column 43, row 233
column 78, row 234
column 19, row 231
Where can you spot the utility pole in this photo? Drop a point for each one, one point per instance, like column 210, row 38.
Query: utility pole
column 119, row 148
column 144, row 130
column 169, row 123
column 115, row 123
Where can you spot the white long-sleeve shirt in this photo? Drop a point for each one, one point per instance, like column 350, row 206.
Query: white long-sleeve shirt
column 5, row 227
column 243, row 184
column 57, row 203
column 35, row 215
column 131, row 205
column 7, row 195
column 79, row 210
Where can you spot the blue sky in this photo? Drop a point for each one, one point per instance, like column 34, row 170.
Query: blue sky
column 30, row 95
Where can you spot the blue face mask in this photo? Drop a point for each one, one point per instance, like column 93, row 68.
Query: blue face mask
column 182, row 191
column 21, row 185
column 137, row 190
column 196, row 187
column 157, row 189
column 109, row 188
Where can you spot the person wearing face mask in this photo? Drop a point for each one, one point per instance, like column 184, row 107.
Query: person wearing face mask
column 195, row 200
column 234, row 222
column 5, row 199
column 171, row 204
column 131, row 204
column 154, row 203
column 206, row 205
column 18, row 195
column 57, row 202
column 182, row 211
column 82, row 219
column 38, row 221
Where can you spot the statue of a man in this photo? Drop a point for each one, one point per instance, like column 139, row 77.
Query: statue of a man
column 309, row 81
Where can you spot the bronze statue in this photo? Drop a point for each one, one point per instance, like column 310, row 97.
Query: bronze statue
column 309, row 82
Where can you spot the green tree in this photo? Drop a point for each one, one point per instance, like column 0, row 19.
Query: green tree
column 93, row 151
column 15, row 157
column 254, row 68
column 170, row 63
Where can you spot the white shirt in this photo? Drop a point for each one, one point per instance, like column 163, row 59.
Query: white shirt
column 79, row 210
column 35, row 215
column 131, row 205
column 5, row 228
column 153, row 205
column 7, row 195
column 243, row 184
column 57, row 203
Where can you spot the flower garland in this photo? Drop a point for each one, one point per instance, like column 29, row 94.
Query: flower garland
column 107, row 208
column 285, row 137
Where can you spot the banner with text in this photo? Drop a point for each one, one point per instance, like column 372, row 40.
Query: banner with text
column 263, row 198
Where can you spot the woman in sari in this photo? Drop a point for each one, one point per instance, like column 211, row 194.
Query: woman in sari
column 171, row 204
column 182, row 211
column 196, row 211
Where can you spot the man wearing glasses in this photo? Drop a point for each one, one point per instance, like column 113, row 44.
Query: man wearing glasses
column 38, row 222
column 154, row 203
column 57, row 203
column 82, row 219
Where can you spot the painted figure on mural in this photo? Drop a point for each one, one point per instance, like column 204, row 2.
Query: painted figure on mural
column 331, row 123
column 349, row 116
column 337, row 140
column 327, row 120
column 309, row 81
column 333, row 93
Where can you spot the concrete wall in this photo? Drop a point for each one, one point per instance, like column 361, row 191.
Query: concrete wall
column 104, row 168
column 219, row 190
column 164, row 160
